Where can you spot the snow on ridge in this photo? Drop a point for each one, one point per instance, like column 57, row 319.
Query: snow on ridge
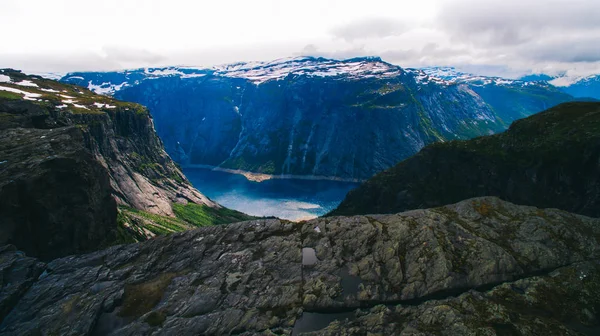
column 449, row 76
column 571, row 80
column 163, row 72
column 27, row 83
column 260, row 72
column 106, row 88
column 4, row 79
column 50, row 75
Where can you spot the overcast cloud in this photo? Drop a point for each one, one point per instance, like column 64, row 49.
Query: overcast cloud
column 494, row 37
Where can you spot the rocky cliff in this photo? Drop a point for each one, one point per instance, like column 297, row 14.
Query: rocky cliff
column 316, row 116
column 481, row 266
column 69, row 157
column 547, row 160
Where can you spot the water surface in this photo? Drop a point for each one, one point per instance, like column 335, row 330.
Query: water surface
column 284, row 198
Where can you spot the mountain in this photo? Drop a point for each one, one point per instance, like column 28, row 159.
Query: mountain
column 80, row 171
column 547, row 160
column 585, row 87
column 314, row 116
column 580, row 87
column 481, row 266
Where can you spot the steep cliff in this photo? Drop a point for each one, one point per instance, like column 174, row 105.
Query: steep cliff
column 547, row 160
column 69, row 157
column 316, row 116
column 481, row 266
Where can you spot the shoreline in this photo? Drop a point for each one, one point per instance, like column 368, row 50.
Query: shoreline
column 259, row 177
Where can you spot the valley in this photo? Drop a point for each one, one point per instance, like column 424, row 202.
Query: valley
column 291, row 199
column 104, row 234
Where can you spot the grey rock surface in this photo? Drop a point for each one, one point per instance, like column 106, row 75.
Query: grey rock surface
column 481, row 266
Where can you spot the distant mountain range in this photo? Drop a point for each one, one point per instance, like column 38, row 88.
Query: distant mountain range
column 315, row 116
column 580, row 87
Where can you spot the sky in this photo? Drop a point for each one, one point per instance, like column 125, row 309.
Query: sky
column 508, row 38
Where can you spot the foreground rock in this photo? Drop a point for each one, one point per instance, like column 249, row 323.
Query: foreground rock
column 547, row 160
column 261, row 277
column 562, row 302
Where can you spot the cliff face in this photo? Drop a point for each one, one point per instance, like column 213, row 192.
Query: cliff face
column 314, row 116
column 548, row 160
column 478, row 266
column 69, row 158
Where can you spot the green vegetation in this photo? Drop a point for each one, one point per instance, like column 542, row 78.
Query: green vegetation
column 52, row 93
column 202, row 215
column 135, row 225
column 546, row 160
column 10, row 95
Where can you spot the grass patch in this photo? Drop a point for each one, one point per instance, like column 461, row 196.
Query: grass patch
column 202, row 215
column 10, row 95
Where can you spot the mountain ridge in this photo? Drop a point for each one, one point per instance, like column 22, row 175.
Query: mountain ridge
column 315, row 116
column 549, row 159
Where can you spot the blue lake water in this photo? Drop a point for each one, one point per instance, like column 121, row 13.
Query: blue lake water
column 284, row 198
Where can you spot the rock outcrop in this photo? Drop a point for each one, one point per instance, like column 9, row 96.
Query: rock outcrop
column 68, row 158
column 547, row 160
column 479, row 266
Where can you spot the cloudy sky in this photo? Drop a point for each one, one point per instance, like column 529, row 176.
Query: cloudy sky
column 500, row 37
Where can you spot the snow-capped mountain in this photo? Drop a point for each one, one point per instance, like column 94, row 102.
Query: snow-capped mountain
column 451, row 76
column 317, row 116
column 581, row 86
column 255, row 72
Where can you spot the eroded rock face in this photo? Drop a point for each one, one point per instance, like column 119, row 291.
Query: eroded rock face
column 249, row 278
column 55, row 197
column 68, row 157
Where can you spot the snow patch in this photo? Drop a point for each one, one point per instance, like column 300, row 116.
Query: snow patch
column 81, row 106
column 106, row 88
column 4, row 79
column 192, row 75
column 26, row 95
column 50, row 90
column 27, row 83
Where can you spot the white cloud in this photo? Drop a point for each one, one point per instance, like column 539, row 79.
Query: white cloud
column 518, row 36
column 379, row 27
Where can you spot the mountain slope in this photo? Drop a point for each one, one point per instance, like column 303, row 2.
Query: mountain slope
column 547, row 160
column 315, row 116
column 585, row 87
column 69, row 158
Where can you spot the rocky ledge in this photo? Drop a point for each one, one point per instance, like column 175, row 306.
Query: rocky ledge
column 69, row 158
column 481, row 266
